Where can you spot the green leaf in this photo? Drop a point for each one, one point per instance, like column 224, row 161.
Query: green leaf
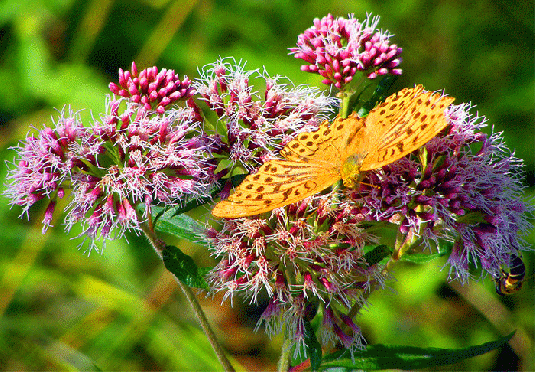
column 472, row 218
column 158, row 210
column 444, row 247
column 420, row 258
column 236, row 180
column 182, row 226
column 377, row 254
column 407, row 357
column 224, row 163
column 184, row 268
column 195, row 202
column 379, row 95
column 313, row 347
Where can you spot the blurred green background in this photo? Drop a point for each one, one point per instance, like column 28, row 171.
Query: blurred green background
column 60, row 309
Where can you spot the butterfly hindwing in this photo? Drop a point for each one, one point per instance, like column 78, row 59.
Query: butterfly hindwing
column 305, row 145
column 326, row 144
column 277, row 183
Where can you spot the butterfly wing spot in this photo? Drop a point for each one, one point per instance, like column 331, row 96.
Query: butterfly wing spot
column 270, row 168
column 309, row 185
column 350, row 139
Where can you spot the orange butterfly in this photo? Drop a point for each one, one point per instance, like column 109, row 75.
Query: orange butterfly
column 314, row 161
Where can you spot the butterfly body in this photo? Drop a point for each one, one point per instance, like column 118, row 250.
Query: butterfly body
column 339, row 150
column 350, row 171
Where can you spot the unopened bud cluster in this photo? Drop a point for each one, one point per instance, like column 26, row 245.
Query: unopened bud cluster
column 338, row 48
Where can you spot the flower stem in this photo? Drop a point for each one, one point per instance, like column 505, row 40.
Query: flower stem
column 284, row 360
column 345, row 97
column 201, row 317
column 159, row 246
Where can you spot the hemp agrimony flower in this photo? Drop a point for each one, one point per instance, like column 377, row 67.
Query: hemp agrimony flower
column 337, row 48
column 309, row 254
column 256, row 127
column 151, row 87
column 131, row 156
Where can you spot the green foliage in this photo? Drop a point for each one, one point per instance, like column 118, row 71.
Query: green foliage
column 313, row 347
column 381, row 91
column 406, row 357
column 182, row 226
column 184, row 268
column 377, row 254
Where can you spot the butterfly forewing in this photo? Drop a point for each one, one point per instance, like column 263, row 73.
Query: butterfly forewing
column 325, row 144
column 410, row 122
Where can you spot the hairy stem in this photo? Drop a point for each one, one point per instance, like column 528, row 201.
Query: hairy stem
column 284, row 360
column 159, row 246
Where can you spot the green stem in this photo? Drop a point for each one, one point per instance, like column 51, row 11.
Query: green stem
column 159, row 246
column 284, row 361
column 345, row 97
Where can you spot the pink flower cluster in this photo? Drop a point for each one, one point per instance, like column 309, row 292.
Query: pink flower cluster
column 257, row 127
column 295, row 264
column 131, row 157
column 44, row 164
column 146, row 149
column 152, row 88
column 337, row 48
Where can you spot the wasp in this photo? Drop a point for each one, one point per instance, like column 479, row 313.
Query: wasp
column 510, row 282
